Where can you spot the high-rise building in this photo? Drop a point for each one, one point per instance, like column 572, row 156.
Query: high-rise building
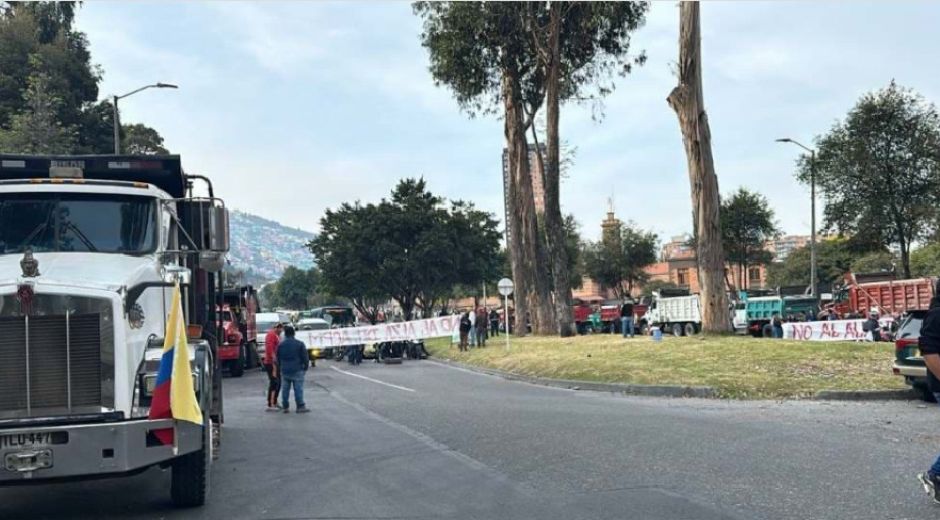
column 783, row 246
column 538, row 184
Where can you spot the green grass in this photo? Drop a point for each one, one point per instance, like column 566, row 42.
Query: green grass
column 737, row 367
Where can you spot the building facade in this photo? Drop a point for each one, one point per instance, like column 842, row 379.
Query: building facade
column 783, row 246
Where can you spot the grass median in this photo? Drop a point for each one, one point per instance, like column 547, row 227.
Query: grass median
column 737, row 367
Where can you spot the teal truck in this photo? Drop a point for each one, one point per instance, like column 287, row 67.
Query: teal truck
column 752, row 314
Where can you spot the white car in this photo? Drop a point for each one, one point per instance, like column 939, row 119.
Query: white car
column 264, row 321
column 307, row 324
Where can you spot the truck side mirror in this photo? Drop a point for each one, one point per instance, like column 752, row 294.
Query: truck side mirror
column 205, row 221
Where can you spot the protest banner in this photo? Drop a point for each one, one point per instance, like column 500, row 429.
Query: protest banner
column 838, row 330
column 401, row 331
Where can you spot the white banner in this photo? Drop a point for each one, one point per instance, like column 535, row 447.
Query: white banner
column 837, row 330
column 402, row 331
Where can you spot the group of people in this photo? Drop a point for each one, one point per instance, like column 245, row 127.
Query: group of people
column 476, row 326
column 286, row 362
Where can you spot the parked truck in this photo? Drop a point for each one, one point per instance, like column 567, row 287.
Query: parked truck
column 605, row 316
column 759, row 310
column 674, row 311
column 239, row 342
column 91, row 248
column 892, row 297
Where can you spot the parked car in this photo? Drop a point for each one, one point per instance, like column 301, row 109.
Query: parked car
column 264, row 321
column 907, row 360
column 307, row 324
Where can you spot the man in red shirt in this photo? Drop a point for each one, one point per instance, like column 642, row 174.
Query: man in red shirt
column 271, row 340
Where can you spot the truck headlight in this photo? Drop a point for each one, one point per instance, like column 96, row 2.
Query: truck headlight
column 149, row 383
column 135, row 316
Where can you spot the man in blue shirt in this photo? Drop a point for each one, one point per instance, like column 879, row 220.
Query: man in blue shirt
column 292, row 361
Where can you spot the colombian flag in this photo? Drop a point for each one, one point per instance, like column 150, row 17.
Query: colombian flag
column 174, row 396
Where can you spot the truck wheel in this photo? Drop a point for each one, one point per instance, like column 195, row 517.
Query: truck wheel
column 677, row 329
column 689, row 329
column 643, row 329
column 238, row 365
column 767, row 331
column 189, row 480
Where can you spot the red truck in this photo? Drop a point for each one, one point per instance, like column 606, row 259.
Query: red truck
column 892, row 297
column 238, row 349
column 609, row 317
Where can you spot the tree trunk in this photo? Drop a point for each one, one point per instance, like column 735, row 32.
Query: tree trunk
column 554, row 226
column 906, row 258
column 687, row 101
column 521, row 203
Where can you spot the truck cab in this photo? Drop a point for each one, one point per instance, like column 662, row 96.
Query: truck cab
column 91, row 249
column 238, row 348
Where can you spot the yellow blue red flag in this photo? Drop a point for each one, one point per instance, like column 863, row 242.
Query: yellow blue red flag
column 174, row 396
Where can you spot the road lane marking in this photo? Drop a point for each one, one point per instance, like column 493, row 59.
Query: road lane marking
column 373, row 380
column 500, row 377
column 438, row 446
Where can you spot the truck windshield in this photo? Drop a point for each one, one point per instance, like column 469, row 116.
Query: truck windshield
column 77, row 222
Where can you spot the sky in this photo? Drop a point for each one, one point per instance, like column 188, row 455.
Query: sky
column 295, row 107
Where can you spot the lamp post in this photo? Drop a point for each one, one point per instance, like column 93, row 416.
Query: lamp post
column 117, row 117
column 812, row 188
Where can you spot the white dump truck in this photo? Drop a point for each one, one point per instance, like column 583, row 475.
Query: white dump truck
column 91, row 248
column 675, row 312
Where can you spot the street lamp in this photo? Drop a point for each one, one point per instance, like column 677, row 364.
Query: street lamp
column 117, row 117
column 812, row 188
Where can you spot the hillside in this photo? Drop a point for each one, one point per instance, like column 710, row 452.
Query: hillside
column 263, row 248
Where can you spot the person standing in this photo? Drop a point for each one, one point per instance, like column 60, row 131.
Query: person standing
column 293, row 361
column 473, row 327
column 873, row 325
column 626, row 317
column 481, row 327
column 494, row 323
column 777, row 324
column 271, row 340
column 465, row 328
column 929, row 345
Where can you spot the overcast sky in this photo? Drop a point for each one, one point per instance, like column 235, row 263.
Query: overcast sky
column 295, row 107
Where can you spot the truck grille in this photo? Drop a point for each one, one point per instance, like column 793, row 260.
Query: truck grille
column 56, row 363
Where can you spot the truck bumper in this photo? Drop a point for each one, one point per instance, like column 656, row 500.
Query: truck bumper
column 910, row 371
column 91, row 450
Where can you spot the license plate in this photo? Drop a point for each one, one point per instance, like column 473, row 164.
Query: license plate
column 32, row 439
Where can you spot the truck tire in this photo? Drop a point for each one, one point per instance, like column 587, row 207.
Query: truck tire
column 642, row 329
column 238, row 365
column 189, row 475
column 677, row 329
column 689, row 329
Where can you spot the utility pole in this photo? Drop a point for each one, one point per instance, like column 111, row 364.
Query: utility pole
column 117, row 116
column 812, row 208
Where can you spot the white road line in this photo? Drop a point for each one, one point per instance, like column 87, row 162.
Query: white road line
column 372, row 380
column 496, row 376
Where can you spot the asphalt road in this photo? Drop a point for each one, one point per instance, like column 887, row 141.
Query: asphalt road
column 425, row 440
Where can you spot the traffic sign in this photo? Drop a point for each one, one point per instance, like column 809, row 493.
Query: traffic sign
column 505, row 286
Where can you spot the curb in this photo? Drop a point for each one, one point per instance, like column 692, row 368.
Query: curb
column 617, row 388
column 866, row 395
column 705, row 392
